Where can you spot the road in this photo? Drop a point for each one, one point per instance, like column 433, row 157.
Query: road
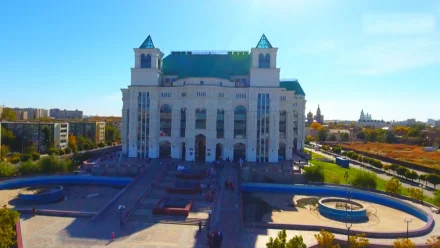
column 385, row 176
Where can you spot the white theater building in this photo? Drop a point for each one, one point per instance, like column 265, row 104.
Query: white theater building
column 205, row 105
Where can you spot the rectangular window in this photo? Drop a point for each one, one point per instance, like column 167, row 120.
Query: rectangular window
column 283, row 98
column 201, row 94
column 221, row 95
column 165, row 94
column 220, row 124
column 143, row 124
column 263, row 117
column 183, row 94
column 240, row 95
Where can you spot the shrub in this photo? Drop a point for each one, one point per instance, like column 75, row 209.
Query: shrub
column 35, row 156
column 412, row 175
column 365, row 179
column 8, row 218
column 101, row 145
column 337, row 149
column 314, row 173
column 61, row 152
column 281, row 241
column 53, row 151
column 7, row 170
column 325, row 239
column 68, row 150
column 401, row 170
column 29, row 168
column 53, row 164
column 433, row 179
column 26, row 157
column 87, row 147
column 415, row 193
column 393, row 186
column 403, row 243
column 15, row 160
column 358, row 241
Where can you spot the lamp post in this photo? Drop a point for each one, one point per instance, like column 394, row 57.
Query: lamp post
column 407, row 221
column 121, row 211
column 348, row 222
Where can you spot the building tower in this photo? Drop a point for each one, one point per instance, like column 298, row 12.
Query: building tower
column 318, row 116
column 309, row 118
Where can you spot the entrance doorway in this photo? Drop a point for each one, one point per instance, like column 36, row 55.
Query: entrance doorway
column 295, row 145
column 200, row 147
column 183, row 147
column 164, row 149
column 218, row 151
column 281, row 151
column 239, row 151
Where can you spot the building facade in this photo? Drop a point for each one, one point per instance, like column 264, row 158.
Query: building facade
column 66, row 114
column 365, row 120
column 32, row 133
column 206, row 105
column 92, row 130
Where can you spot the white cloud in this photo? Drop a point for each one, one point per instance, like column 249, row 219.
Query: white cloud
column 399, row 23
column 392, row 56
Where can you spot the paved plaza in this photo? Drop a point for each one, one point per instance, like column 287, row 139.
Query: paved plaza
column 145, row 230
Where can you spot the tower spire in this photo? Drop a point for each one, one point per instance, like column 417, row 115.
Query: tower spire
column 148, row 43
column 264, row 42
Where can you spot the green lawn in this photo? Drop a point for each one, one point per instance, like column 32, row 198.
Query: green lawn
column 335, row 174
column 315, row 155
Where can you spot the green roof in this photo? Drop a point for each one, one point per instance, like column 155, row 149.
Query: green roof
column 292, row 85
column 186, row 64
column 264, row 42
column 148, row 43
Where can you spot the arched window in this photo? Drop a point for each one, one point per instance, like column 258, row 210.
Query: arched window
column 264, row 61
column 220, row 124
column 240, row 122
column 200, row 118
column 165, row 120
column 182, row 122
column 145, row 61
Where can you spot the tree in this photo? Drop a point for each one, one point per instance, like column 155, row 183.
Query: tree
column 4, row 151
column 358, row 241
column 386, row 167
column 433, row 179
column 403, row 243
column 314, row 173
column 412, row 175
column 316, row 126
column 332, row 137
column 361, row 135
column 325, row 239
column 390, row 137
column 110, row 133
column 53, row 151
column 394, row 167
column 423, row 178
column 47, row 136
column 8, row 137
column 29, row 168
column 72, row 143
column 416, row 194
column 322, row 134
column 281, row 241
column 344, row 137
column 434, row 241
column 401, row 171
column 337, row 149
column 365, row 179
column 9, row 115
column 393, row 186
column 401, row 130
column 7, row 170
column 8, row 218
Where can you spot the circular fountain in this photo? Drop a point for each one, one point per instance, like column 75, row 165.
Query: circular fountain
column 42, row 194
column 343, row 210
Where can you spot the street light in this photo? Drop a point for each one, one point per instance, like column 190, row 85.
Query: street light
column 407, row 221
column 348, row 222
column 121, row 210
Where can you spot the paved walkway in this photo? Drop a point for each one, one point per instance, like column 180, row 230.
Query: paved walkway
column 226, row 216
column 384, row 176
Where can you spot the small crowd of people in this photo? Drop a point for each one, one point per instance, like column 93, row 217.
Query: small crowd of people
column 229, row 185
column 215, row 239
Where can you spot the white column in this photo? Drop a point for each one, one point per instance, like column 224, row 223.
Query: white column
column 190, row 134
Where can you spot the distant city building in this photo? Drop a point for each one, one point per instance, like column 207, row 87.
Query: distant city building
column 92, row 130
column 30, row 133
column 319, row 117
column 66, row 114
column 431, row 122
column 309, row 118
column 337, row 133
column 437, row 123
column 30, row 113
column 411, row 122
column 366, row 120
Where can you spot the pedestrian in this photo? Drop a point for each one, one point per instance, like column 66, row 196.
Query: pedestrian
column 34, row 211
column 209, row 184
column 201, row 190
column 200, row 226
column 299, row 161
column 232, row 186
column 226, row 184
column 112, row 236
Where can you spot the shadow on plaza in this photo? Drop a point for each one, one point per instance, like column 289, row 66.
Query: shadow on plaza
column 101, row 228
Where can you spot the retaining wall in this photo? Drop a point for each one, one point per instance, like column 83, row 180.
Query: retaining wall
column 63, row 180
column 332, row 191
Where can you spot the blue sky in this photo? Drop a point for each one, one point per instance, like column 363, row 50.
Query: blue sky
column 380, row 56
